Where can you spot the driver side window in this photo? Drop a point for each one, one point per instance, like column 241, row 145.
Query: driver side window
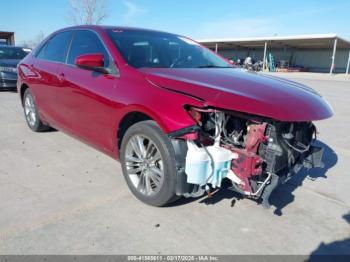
column 86, row 42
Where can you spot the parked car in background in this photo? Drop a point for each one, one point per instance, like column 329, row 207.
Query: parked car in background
column 179, row 117
column 9, row 58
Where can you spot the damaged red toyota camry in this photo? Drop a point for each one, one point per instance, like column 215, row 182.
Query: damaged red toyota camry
column 179, row 117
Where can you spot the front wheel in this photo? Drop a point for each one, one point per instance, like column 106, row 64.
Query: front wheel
column 148, row 163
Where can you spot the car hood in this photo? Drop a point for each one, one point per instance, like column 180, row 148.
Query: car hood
column 9, row 62
column 249, row 92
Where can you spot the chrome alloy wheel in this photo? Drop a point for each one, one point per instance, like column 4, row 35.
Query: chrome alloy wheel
column 29, row 110
column 144, row 165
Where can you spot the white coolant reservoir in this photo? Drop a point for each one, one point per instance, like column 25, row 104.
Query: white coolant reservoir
column 197, row 164
column 199, row 167
column 222, row 158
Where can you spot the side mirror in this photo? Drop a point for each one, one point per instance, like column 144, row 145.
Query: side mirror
column 94, row 62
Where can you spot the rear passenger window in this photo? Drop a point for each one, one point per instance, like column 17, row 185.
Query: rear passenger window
column 86, row 42
column 56, row 48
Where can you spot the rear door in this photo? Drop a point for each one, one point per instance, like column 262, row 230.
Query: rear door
column 85, row 105
column 46, row 81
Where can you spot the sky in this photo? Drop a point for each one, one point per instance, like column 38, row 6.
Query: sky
column 198, row 19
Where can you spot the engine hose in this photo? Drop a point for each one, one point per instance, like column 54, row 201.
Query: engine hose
column 239, row 190
column 211, row 164
column 262, row 185
column 306, row 148
column 218, row 128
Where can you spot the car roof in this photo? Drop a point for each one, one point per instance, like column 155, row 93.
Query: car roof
column 104, row 27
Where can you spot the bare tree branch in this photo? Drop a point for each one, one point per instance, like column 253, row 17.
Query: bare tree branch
column 33, row 42
column 87, row 11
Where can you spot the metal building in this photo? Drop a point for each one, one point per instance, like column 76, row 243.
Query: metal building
column 313, row 53
column 7, row 38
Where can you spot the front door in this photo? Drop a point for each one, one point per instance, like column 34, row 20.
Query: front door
column 85, row 96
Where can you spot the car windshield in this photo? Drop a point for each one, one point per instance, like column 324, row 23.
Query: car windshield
column 149, row 49
column 13, row 53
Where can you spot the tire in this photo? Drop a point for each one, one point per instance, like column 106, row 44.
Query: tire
column 31, row 113
column 142, row 141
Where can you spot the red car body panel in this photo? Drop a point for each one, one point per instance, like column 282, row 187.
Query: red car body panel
column 91, row 106
column 234, row 89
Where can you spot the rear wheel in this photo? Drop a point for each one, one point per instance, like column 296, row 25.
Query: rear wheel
column 148, row 163
column 31, row 113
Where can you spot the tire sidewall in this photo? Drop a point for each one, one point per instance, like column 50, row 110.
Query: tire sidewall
column 151, row 130
column 37, row 124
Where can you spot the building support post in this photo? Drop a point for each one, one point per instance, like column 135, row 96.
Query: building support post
column 216, row 47
column 12, row 39
column 264, row 59
column 333, row 56
column 348, row 65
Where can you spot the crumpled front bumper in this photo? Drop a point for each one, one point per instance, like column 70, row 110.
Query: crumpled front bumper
column 311, row 159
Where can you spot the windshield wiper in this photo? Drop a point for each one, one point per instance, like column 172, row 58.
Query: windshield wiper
column 212, row 66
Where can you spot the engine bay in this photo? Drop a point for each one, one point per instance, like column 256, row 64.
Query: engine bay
column 254, row 153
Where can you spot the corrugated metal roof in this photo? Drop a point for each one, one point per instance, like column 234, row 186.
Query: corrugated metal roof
column 6, row 34
column 302, row 41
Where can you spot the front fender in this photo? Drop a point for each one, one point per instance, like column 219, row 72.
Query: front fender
column 169, row 116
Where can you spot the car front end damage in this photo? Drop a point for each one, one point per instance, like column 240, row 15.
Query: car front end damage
column 255, row 153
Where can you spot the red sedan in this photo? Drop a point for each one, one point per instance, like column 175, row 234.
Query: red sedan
column 179, row 117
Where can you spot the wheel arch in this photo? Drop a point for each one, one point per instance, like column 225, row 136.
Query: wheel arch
column 127, row 121
column 23, row 88
column 135, row 113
